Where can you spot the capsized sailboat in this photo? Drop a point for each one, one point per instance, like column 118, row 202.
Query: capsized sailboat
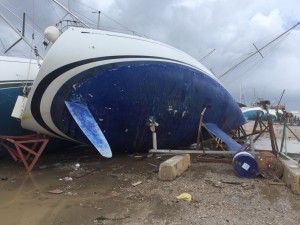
column 101, row 88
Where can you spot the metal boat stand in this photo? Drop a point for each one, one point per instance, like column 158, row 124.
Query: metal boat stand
column 218, row 149
column 26, row 148
column 283, row 148
column 260, row 128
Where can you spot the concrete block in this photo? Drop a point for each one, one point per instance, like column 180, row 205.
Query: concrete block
column 174, row 167
column 291, row 175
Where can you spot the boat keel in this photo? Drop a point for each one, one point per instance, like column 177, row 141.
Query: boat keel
column 85, row 120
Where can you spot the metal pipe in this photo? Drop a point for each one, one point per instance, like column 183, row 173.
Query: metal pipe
column 18, row 32
column 154, row 140
column 288, row 157
column 172, row 151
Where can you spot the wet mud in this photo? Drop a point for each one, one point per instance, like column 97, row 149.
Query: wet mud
column 80, row 187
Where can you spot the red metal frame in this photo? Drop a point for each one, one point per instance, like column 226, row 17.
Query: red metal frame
column 27, row 148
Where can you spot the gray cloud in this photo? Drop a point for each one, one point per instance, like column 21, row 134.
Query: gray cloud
column 197, row 27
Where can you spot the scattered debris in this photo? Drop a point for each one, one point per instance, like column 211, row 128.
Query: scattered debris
column 77, row 165
column 114, row 194
column 231, row 182
column 70, row 193
column 43, row 167
column 101, row 218
column 276, row 183
column 140, row 157
column 137, row 183
column 214, row 191
column 269, row 166
column 56, row 165
column 217, row 184
column 155, row 169
column 247, row 186
column 66, row 178
column 184, row 196
column 81, row 172
column 245, row 165
column 56, row 191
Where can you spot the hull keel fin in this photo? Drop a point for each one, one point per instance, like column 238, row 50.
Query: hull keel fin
column 85, row 120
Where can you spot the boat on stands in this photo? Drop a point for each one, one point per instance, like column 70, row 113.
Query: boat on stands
column 17, row 75
column 251, row 113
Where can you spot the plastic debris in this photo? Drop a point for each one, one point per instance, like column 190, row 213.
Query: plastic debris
column 184, row 196
column 56, row 165
column 247, row 186
column 56, row 191
column 137, row 183
column 69, row 193
column 66, row 179
column 43, row 167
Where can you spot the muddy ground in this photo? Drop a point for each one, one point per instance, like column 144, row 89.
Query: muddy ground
column 87, row 189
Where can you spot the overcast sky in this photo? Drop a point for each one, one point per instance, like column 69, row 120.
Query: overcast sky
column 231, row 27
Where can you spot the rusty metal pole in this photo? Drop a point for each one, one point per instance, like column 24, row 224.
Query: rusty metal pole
column 199, row 139
column 271, row 128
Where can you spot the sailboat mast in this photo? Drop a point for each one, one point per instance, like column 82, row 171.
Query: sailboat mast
column 258, row 50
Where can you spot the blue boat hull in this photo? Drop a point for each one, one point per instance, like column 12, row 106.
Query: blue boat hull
column 122, row 96
column 8, row 124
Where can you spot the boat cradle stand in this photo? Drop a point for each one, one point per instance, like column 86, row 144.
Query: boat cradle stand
column 26, row 149
column 216, row 134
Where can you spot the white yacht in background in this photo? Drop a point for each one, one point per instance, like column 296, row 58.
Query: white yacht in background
column 16, row 77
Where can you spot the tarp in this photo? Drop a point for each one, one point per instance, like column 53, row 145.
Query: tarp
column 231, row 144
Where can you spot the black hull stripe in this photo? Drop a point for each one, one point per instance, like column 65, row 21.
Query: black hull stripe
column 44, row 83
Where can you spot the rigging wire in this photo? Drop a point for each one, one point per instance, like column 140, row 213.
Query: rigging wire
column 251, row 64
column 104, row 14
column 241, row 74
column 54, row 9
column 281, row 35
column 20, row 19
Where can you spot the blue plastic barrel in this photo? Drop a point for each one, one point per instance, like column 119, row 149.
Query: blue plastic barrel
column 244, row 165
